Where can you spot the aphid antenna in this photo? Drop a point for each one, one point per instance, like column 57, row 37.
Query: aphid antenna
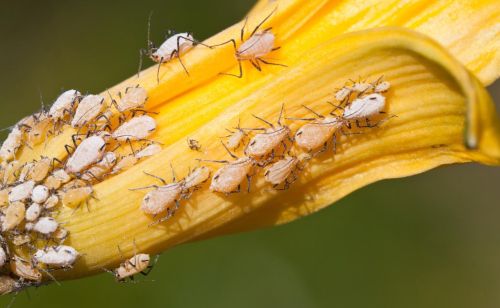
column 213, row 161
column 263, row 21
column 281, row 114
column 314, row 112
column 229, row 151
column 336, row 107
column 265, row 121
column 156, row 177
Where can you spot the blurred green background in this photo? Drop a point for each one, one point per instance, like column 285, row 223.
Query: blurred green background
column 432, row 240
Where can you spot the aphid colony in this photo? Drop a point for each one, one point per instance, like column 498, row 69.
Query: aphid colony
column 111, row 136
column 272, row 148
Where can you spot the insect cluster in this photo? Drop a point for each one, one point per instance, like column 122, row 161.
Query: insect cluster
column 111, row 136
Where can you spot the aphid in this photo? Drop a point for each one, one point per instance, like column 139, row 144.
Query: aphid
column 21, row 239
column 196, row 177
column 11, row 144
column 312, row 136
column 259, row 45
column 4, row 196
column 139, row 263
column 24, row 269
column 21, row 192
column 14, row 215
column 45, row 225
column 229, row 177
column 51, row 202
column 283, row 171
column 75, row 196
column 343, row 93
column 364, row 107
column 11, row 170
column 8, row 285
column 60, row 234
column 39, row 130
column 383, row 86
column 64, row 105
column 134, row 97
column 40, row 169
column 57, row 179
column 263, row 144
column 150, row 150
column 194, row 144
column 163, row 199
column 362, row 87
column 129, row 161
column 88, row 109
column 235, row 138
column 61, row 256
column 174, row 46
column 101, row 168
column 138, row 128
column 62, row 175
column 40, row 194
column 23, row 175
column 87, row 153
column 33, row 212
column 3, row 256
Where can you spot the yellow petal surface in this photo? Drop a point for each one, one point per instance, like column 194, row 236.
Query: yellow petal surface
column 434, row 97
column 470, row 30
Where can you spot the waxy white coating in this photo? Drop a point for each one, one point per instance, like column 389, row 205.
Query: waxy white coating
column 173, row 47
column 88, row 109
column 3, row 257
column 312, row 136
column 45, row 225
column 40, row 194
column 343, row 93
column 196, row 177
column 150, row 150
column 162, row 198
column 64, row 104
column 257, row 46
column 364, row 107
column 61, row 256
column 133, row 266
column 382, row 87
column 234, row 140
column 21, row 192
column 11, row 144
column 279, row 171
column 263, row 144
column 102, row 167
column 135, row 129
column 87, row 153
column 230, row 176
column 132, row 99
column 52, row 201
column 33, row 212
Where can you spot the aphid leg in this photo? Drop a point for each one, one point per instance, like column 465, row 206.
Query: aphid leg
column 336, row 107
column 240, row 67
column 270, row 63
column 150, row 267
column 228, row 151
column 156, row 177
column 158, row 72
column 68, row 147
column 267, row 122
column 255, row 64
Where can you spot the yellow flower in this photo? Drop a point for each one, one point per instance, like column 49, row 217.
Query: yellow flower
column 444, row 116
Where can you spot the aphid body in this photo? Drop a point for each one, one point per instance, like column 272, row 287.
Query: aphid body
column 133, row 266
column 88, row 109
column 257, row 46
column 8, row 285
column 229, row 177
column 174, row 46
column 87, row 153
column 40, row 194
column 234, row 140
column 138, row 128
column 14, row 215
column 21, row 192
column 33, row 212
column 3, row 256
column 134, row 97
column 61, row 256
column 196, row 177
column 364, row 107
column 312, row 136
column 263, row 144
column 280, row 171
column 64, row 104
column 52, row 201
column 76, row 196
column 11, row 144
column 100, row 169
column 25, row 269
column 384, row 86
column 162, row 199
column 45, row 225
column 150, row 150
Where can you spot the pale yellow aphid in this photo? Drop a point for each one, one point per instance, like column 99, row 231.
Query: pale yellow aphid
column 21, row 192
column 60, row 234
column 150, row 150
column 56, row 179
column 235, row 139
column 125, row 163
column 101, row 168
column 196, row 177
column 14, row 215
column 88, row 109
column 24, row 269
column 39, row 130
column 383, row 86
column 75, row 196
column 11, row 144
column 11, row 171
column 162, row 199
column 21, row 239
column 23, row 175
column 134, row 98
column 4, row 196
column 86, row 154
column 40, row 169
column 138, row 128
column 282, row 172
column 51, row 202
column 133, row 266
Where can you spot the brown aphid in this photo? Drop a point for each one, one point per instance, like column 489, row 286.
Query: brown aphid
column 24, row 269
column 283, row 171
column 75, row 196
column 265, row 143
column 135, row 265
column 194, row 144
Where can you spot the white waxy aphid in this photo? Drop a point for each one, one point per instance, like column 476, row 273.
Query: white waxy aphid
column 8, row 285
column 161, row 199
column 362, row 87
column 196, row 177
column 61, row 256
column 11, row 144
column 278, row 172
column 33, row 212
column 45, row 225
column 257, row 46
column 51, row 202
column 364, row 107
column 40, row 169
column 173, row 47
column 134, row 97
column 57, row 179
column 235, row 139
column 229, row 177
column 23, row 175
column 86, row 154
column 14, row 215
column 64, row 104
column 3, row 256
column 137, row 128
column 125, row 163
column 150, row 150
column 101, row 168
column 312, row 136
column 384, row 86
column 343, row 93
column 133, row 266
column 263, row 144
column 25, row 269
column 40, row 194
column 75, row 196
column 22, row 191
column 88, row 109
